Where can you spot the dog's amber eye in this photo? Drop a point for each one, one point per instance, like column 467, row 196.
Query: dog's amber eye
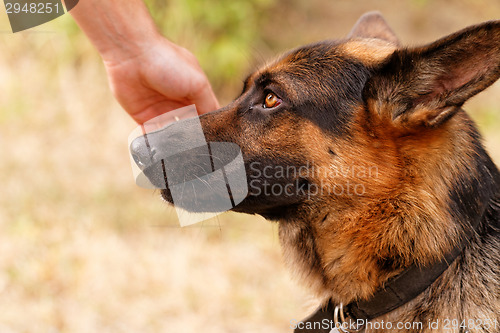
column 271, row 101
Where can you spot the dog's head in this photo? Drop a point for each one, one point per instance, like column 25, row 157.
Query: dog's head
column 358, row 111
column 361, row 149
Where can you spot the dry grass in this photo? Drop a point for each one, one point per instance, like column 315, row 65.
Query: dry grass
column 85, row 250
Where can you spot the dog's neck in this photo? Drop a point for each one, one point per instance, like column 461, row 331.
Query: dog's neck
column 403, row 297
column 349, row 252
column 357, row 265
column 449, row 287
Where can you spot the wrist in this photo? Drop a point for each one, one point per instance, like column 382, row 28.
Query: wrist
column 128, row 46
column 119, row 30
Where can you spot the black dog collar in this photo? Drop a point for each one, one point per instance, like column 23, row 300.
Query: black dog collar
column 396, row 292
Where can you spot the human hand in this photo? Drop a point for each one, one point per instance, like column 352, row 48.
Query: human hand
column 159, row 77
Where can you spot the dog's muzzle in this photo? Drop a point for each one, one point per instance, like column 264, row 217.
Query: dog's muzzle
column 170, row 153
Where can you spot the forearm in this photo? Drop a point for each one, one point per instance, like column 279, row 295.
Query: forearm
column 119, row 29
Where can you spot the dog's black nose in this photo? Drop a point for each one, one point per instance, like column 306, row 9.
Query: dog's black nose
column 149, row 149
column 176, row 149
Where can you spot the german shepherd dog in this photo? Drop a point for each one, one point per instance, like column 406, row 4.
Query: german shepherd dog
column 394, row 175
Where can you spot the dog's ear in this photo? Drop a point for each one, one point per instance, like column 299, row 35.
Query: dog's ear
column 373, row 25
column 428, row 85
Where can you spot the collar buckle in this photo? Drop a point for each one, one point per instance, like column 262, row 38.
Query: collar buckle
column 346, row 324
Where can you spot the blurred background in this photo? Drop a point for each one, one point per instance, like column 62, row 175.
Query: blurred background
column 82, row 248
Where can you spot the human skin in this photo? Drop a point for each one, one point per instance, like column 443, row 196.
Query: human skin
column 148, row 74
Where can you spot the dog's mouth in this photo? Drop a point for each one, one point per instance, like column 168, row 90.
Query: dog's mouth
column 214, row 179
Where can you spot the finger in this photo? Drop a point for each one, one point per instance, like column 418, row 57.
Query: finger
column 205, row 100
